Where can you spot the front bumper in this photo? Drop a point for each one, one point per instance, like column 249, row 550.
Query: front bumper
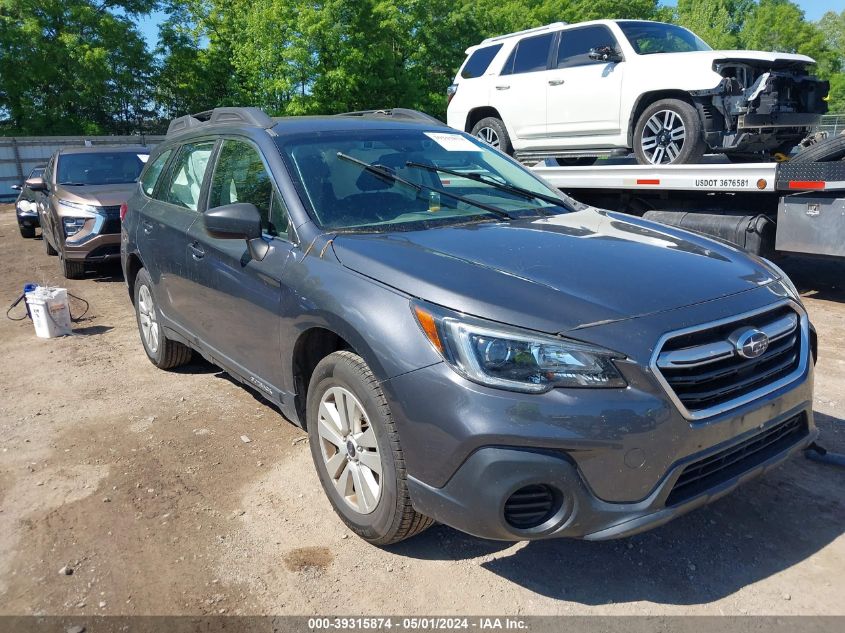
column 27, row 218
column 93, row 247
column 474, row 499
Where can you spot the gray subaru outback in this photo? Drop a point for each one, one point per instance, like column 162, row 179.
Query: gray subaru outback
column 462, row 342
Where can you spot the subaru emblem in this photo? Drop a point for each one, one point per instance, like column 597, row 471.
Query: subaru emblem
column 751, row 343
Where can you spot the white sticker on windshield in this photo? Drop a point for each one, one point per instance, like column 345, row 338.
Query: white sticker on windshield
column 453, row 142
column 143, row 157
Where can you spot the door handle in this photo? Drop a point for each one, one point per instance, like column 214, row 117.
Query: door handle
column 502, row 87
column 556, row 82
column 147, row 226
column 197, row 251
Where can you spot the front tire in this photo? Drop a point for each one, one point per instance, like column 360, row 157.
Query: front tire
column 27, row 232
column 52, row 252
column 356, row 450
column 492, row 131
column 162, row 352
column 669, row 132
column 71, row 269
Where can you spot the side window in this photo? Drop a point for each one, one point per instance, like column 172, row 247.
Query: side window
column 279, row 217
column 153, row 171
column 575, row 45
column 529, row 55
column 240, row 176
column 187, row 174
column 479, row 61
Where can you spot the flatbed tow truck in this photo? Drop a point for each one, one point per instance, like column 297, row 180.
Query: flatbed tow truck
column 767, row 208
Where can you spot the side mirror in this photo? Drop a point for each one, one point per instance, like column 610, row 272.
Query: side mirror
column 239, row 221
column 36, row 184
column 16, row 187
column 605, row 54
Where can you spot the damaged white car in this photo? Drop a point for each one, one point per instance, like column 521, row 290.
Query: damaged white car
column 581, row 91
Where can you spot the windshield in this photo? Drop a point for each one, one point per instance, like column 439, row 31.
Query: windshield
column 331, row 174
column 100, row 168
column 648, row 38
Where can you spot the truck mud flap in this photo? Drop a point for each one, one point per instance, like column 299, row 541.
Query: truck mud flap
column 754, row 233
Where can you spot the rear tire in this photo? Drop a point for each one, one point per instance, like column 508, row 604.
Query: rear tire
column 162, row 352
column 27, row 232
column 492, row 131
column 669, row 132
column 356, row 450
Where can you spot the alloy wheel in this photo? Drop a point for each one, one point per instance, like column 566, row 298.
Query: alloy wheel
column 147, row 318
column 349, row 449
column 488, row 135
column 663, row 137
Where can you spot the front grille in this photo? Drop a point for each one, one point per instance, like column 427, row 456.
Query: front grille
column 705, row 370
column 531, row 506
column 731, row 462
column 112, row 223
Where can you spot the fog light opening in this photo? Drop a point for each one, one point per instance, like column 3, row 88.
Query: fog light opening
column 531, row 506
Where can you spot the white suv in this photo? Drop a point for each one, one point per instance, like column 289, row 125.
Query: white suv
column 577, row 92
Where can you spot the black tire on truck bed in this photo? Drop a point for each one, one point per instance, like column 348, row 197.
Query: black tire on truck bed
column 828, row 150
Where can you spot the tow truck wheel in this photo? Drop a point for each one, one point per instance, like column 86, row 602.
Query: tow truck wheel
column 669, row 131
column 493, row 132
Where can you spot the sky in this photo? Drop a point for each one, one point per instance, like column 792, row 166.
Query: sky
column 814, row 9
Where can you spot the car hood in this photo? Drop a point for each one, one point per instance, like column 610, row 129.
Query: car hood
column 96, row 195
column 554, row 274
column 757, row 58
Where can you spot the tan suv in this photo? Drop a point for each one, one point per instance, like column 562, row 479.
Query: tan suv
column 79, row 199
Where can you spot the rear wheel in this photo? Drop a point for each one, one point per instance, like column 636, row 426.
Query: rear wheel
column 356, row 450
column 162, row 352
column 669, row 131
column 27, row 231
column 492, row 131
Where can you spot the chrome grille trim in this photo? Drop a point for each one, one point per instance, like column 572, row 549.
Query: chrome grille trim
column 720, row 350
column 780, row 328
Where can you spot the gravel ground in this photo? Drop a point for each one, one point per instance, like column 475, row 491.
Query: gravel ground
column 129, row 490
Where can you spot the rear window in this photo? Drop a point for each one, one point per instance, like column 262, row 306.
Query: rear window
column 530, row 55
column 479, row 61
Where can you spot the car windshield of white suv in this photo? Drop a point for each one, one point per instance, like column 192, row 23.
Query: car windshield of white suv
column 395, row 180
column 649, row 38
column 99, row 168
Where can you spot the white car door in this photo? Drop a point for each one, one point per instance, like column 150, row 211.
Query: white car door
column 583, row 96
column 519, row 92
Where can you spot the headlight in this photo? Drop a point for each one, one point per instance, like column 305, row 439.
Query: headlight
column 79, row 205
column 784, row 280
column 73, row 225
column 510, row 358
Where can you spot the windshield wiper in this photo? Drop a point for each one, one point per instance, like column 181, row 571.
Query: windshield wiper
column 72, row 184
column 385, row 174
column 514, row 189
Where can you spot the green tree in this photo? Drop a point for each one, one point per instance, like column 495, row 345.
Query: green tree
column 779, row 25
column 71, row 66
column 717, row 22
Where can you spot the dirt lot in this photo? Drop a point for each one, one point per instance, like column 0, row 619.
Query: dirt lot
column 138, row 480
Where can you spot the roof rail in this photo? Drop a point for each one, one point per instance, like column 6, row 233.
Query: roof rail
column 221, row 116
column 405, row 114
column 539, row 29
